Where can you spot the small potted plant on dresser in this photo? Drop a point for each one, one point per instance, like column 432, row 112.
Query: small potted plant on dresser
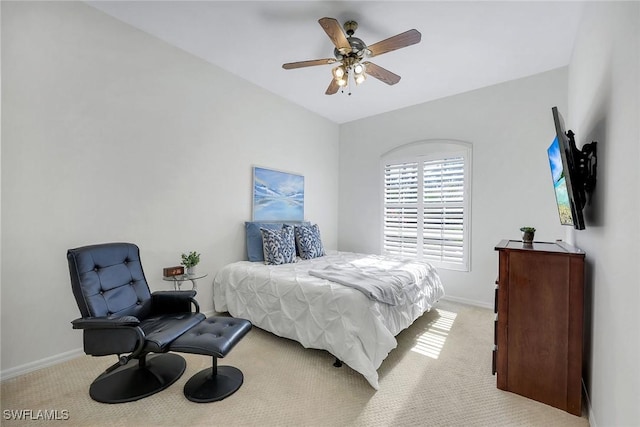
column 190, row 261
column 527, row 234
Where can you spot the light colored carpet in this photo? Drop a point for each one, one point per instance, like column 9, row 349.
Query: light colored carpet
column 440, row 375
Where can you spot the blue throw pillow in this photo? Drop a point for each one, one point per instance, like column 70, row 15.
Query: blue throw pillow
column 308, row 241
column 254, row 238
column 279, row 246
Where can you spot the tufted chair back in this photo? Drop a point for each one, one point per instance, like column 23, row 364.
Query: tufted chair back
column 108, row 280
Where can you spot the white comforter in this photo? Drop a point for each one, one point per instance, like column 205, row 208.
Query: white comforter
column 321, row 314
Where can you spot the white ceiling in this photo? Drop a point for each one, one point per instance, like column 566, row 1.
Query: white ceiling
column 465, row 45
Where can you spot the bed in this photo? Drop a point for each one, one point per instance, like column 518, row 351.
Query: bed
column 288, row 301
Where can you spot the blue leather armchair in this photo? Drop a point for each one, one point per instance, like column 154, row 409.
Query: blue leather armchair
column 121, row 316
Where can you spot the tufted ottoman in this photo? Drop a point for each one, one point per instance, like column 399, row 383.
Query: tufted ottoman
column 214, row 336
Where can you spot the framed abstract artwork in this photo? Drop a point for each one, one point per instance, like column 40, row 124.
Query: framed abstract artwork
column 277, row 196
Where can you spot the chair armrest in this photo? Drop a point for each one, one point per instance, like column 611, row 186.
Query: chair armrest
column 177, row 295
column 163, row 302
column 111, row 335
column 105, row 322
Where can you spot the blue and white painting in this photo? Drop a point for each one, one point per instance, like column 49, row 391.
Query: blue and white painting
column 277, row 196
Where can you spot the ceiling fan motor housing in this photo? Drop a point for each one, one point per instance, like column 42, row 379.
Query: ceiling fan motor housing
column 358, row 49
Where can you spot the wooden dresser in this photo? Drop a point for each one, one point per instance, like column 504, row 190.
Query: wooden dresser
column 539, row 305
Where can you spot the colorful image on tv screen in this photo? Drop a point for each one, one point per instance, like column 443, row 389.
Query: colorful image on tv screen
column 559, row 183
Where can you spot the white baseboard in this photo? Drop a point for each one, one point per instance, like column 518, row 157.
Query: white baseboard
column 53, row 360
column 590, row 415
column 39, row 364
column 468, row 302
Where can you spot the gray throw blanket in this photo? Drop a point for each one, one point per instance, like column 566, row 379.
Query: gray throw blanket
column 377, row 284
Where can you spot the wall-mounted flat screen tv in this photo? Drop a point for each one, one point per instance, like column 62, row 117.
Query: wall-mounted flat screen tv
column 567, row 183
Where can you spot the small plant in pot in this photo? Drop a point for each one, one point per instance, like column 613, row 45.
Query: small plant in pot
column 527, row 234
column 190, row 261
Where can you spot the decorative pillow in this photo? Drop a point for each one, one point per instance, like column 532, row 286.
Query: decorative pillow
column 308, row 241
column 254, row 237
column 279, row 246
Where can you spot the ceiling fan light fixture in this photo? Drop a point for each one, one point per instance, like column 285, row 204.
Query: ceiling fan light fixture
column 359, row 78
column 339, row 72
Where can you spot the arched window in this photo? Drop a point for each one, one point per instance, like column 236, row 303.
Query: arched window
column 427, row 202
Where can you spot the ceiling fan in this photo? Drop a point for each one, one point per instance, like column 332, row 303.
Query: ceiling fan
column 351, row 53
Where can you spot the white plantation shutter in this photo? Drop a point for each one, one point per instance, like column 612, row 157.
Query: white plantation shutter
column 426, row 209
column 443, row 213
column 401, row 209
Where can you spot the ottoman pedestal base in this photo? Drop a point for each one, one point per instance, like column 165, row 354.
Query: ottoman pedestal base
column 213, row 384
column 214, row 336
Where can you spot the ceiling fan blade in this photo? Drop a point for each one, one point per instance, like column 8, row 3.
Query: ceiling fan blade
column 380, row 73
column 396, row 42
column 333, row 87
column 311, row 63
column 335, row 33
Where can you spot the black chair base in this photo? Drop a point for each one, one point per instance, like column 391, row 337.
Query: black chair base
column 138, row 379
column 207, row 386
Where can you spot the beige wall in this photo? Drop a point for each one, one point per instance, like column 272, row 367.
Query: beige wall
column 604, row 106
column 509, row 127
column 109, row 134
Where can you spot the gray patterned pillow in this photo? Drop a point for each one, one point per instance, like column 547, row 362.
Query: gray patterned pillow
column 279, row 246
column 309, row 242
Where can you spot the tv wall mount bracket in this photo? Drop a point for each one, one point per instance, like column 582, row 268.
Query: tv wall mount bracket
column 587, row 164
